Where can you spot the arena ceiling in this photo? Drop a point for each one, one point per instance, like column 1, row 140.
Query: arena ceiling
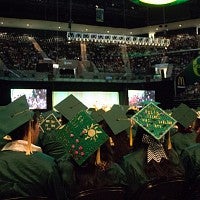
column 116, row 13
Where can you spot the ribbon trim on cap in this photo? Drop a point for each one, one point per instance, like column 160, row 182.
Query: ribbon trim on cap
column 155, row 149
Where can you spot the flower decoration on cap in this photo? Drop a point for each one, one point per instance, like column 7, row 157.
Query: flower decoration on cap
column 88, row 136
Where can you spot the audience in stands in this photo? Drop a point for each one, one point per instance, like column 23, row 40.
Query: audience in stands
column 18, row 52
column 23, row 52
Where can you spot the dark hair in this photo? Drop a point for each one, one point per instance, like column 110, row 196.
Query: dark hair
column 87, row 174
column 182, row 129
column 196, row 125
column 20, row 132
column 64, row 120
column 198, row 138
column 121, row 142
column 163, row 170
column 137, row 142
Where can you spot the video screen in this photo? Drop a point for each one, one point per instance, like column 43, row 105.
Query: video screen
column 135, row 97
column 36, row 98
column 91, row 99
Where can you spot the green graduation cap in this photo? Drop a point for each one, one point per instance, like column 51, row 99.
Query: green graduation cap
column 144, row 103
column 50, row 123
column 14, row 115
column 47, row 113
column 124, row 108
column 116, row 119
column 81, row 136
column 184, row 115
column 168, row 111
column 70, row 106
column 97, row 115
column 90, row 110
column 154, row 120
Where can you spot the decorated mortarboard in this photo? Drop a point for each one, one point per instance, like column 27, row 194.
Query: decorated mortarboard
column 14, row 115
column 70, row 106
column 184, row 115
column 116, row 119
column 81, row 136
column 144, row 103
column 47, row 113
column 50, row 123
column 154, row 120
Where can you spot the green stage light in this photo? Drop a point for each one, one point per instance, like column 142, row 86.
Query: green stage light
column 159, row 2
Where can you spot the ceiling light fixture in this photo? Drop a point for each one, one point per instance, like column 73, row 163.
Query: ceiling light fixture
column 159, row 2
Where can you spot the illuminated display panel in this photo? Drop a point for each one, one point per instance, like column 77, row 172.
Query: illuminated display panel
column 36, row 98
column 135, row 97
column 90, row 99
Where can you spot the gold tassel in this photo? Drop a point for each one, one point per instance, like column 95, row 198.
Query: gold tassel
column 29, row 147
column 131, row 136
column 131, row 133
column 98, row 157
column 169, row 143
column 111, row 141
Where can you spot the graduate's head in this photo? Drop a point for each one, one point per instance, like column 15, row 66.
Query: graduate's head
column 16, row 121
column 185, row 116
column 21, row 133
column 69, row 107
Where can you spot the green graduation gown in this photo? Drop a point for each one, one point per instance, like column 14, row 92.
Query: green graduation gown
column 134, row 167
column 29, row 175
column 190, row 158
column 114, row 175
column 51, row 146
column 181, row 141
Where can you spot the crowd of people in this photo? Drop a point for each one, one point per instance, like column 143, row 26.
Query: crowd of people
column 59, row 155
column 18, row 52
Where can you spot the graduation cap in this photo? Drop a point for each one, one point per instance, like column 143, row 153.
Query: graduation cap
column 144, row 103
column 50, row 123
column 90, row 110
column 97, row 115
column 47, row 113
column 81, row 136
column 154, row 120
column 184, row 115
column 14, row 115
column 70, row 106
column 124, row 108
column 116, row 119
